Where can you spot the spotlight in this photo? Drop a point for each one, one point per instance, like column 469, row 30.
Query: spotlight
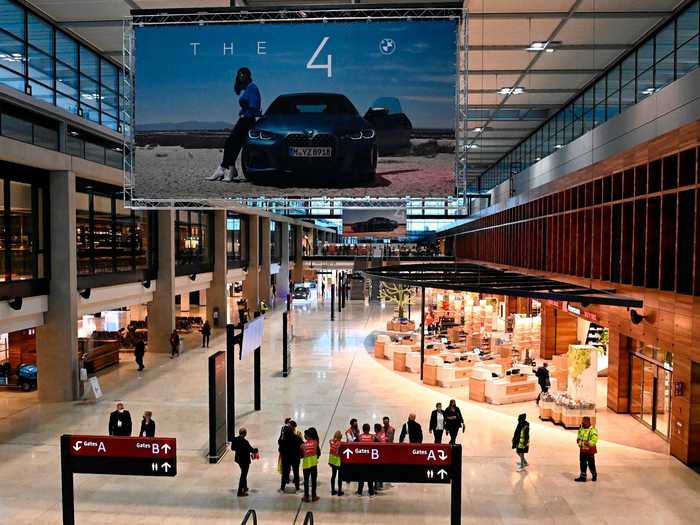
column 146, row 284
column 85, row 293
column 636, row 317
column 16, row 303
column 193, row 277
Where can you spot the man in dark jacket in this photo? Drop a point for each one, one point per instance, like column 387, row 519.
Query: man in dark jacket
column 139, row 350
column 290, row 456
column 453, row 420
column 437, row 423
column 206, row 333
column 413, row 429
column 243, row 455
column 120, row 422
column 542, row 374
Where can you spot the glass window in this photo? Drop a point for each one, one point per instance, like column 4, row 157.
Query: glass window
column 83, row 233
column 664, row 72
column 123, row 237
column 40, row 34
column 94, row 152
column 67, row 103
column 40, row 66
column 628, row 69
column 21, row 231
column 687, row 24
column 16, row 128
column 665, row 41
column 11, row 53
column 645, row 56
column 102, row 234
column 46, row 137
column 108, row 75
column 613, row 80
column 89, row 63
column 66, row 50
column 114, row 158
column 3, row 269
column 67, row 80
column 89, row 92
column 12, row 18
column 627, row 94
column 141, row 239
column 687, row 57
column 645, row 84
column 600, row 91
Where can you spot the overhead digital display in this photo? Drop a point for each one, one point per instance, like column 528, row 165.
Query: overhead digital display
column 295, row 109
column 374, row 222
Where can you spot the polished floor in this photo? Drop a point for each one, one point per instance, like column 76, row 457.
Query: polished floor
column 334, row 378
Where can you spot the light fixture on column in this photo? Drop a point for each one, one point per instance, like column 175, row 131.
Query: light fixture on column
column 636, row 317
column 16, row 303
column 193, row 277
column 85, row 293
column 146, row 284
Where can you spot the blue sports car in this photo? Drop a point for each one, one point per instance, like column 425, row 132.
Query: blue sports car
column 310, row 135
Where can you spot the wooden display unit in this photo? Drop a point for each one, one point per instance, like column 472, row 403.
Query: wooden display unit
column 477, row 388
column 430, row 375
column 379, row 349
column 400, row 361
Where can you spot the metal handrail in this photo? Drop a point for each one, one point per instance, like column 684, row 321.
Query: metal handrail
column 251, row 512
column 309, row 518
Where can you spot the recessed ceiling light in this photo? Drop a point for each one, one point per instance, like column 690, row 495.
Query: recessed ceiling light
column 547, row 46
column 478, row 130
column 558, row 146
column 648, row 91
column 549, row 50
column 472, row 146
column 515, row 90
column 538, row 159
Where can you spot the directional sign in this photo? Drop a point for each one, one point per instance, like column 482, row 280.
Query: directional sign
column 132, row 456
column 398, row 462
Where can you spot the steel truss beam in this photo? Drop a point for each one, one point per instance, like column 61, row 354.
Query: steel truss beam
column 469, row 277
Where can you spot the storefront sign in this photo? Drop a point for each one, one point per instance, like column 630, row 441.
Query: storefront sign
column 589, row 316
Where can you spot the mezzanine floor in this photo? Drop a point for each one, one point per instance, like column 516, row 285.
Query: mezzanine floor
column 335, row 378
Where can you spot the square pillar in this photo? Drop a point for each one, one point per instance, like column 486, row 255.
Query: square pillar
column 298, row 273
column 161, row 311
column 264, row 288
column 619, row 347
column 185, row 302
column 215, row 296
column 57, row 339
column 283, row 275
column 250, row 285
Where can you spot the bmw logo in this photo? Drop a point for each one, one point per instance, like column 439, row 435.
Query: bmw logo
column 309, row 132
column 387, row 46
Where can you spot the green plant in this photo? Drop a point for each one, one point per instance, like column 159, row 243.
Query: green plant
column 578, row 360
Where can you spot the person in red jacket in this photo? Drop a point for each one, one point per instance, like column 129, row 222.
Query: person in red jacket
column 380, row 436
column 366, row 437
column 334, row 462
column 310, row 452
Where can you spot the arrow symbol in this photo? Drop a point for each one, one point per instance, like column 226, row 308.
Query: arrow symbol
column 348, row 453
column 166, row 467
column 442, row 455
column 154, row 467
column 77, row 446
column 430, row 474
column 442, row 473
column 166, row 448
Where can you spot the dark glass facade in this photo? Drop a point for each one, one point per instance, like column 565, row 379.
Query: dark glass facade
column 236, row 240
column 110, row 238
column 275, row 241
column 23, row 227
column 193, row 242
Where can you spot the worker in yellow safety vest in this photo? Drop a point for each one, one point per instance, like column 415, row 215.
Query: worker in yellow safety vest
column 334, row 462
column 310, row 452
column 587, row 441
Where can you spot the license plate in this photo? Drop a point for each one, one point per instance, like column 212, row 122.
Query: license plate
column 310, row 152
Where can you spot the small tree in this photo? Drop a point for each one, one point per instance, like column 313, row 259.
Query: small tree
column 398, row 294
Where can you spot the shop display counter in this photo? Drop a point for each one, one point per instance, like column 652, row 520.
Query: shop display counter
column 477, row 389
column 562, row 410
column 399, row 358
column 452, row 375
column 395, row 325
column 380, row 345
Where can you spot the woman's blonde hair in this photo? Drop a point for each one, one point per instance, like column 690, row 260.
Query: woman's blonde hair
column 338, row 436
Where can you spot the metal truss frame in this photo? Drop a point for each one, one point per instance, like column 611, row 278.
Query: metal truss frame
column 448, row 11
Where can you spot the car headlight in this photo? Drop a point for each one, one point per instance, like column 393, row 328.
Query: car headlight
column 260, row 134
column 364, row 134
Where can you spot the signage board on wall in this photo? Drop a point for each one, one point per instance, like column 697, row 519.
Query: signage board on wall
column 252, row 336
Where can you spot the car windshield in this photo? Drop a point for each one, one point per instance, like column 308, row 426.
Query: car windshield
column 311, row 104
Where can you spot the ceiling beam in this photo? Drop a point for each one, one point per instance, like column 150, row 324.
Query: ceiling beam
column 558, row 47
column 651, row 13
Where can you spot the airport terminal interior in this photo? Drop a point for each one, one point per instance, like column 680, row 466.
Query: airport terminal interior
column 356, row 261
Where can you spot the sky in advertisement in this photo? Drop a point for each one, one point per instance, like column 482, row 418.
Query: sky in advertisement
column 184, row 73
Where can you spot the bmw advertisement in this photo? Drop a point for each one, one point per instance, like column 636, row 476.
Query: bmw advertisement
column 377, row 223
column 344, row 108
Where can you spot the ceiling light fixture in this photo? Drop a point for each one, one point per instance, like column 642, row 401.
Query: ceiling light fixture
column 547, row 46
column 472, row 146
column 649, row 91
column 515, row 90
column 558, row 146
column 478, row 130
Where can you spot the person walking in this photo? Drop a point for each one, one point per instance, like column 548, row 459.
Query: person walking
column 542, row 374
column 453, row 421
column 366, row 437
column 243, row 456
column 521, row 441
column 412, row 429
column 120, row 422
column 389, row 431
column 334, row 463
column 311, row 451
column 148, row 426
column 250, row 102
column 437, row 423
column 587, row 441
column 353, row 432
column 139, row 350
column 206, row 333
column 290, row 455
column 174, row 344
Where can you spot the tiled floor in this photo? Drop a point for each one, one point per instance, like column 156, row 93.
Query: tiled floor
column 334, row 378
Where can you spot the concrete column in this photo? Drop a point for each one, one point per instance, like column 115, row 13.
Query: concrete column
column 185, row 302
column 298, row 273
column 57, row 339
column 264, row 288
column 161, row 311
column 202, row 297
column 283, row 275
column 215, row 297
column 250, row 285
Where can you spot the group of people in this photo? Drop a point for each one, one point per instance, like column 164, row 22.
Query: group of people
column 120, row 423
